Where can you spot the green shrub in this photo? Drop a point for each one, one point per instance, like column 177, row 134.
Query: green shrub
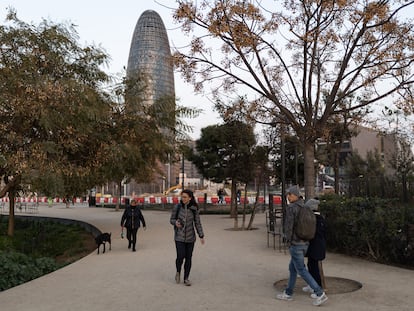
column 37, row 248
column 17, row 268
column 372, row 228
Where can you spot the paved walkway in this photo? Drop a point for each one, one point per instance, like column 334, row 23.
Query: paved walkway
column 232, row 271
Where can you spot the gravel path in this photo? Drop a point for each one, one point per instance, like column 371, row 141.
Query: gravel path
column 234, row 270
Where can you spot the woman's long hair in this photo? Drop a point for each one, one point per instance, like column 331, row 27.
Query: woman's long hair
column 192, row 201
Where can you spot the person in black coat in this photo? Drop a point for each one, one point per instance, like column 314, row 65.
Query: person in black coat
column 131, row 220
column 317, row 246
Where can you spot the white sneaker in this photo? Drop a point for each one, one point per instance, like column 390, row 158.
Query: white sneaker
column 313, row 295
column 284, row 296
column 320, row 299
column 307, row 289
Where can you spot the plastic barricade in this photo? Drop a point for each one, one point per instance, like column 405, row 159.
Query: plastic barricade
column 200, row 200
column 277, row 200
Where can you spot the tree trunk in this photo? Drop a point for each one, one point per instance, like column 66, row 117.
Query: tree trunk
column 336, row 167
column 336, row 174
column 233, row 200
column 309, row 170
column 234, row 212
column 404, row 187
column 10, row 229
column 256, row 201
column 244, row 207
column 119, row 195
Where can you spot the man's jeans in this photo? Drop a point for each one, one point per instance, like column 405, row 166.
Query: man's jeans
column 297, row 266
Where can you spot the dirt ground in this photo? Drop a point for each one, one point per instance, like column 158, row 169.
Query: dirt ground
column 89, row 246
column 334, row 285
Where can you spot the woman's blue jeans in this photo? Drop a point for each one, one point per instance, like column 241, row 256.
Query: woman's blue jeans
column 297, row 266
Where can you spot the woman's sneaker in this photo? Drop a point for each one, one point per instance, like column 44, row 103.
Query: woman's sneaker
column 307, row 289
column 284, row 296
column 187, row 283
column 320, row 299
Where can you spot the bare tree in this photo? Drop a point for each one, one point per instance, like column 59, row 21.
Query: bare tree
column 284, row 60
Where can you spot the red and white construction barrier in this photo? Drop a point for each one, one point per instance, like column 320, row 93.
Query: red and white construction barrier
column 141, row 200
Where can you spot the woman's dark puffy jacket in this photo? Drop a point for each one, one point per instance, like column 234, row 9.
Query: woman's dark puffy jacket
column 190, row 218
column 132, row 217
column 317, row 246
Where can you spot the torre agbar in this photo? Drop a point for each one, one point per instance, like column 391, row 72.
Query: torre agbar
column 150, row 56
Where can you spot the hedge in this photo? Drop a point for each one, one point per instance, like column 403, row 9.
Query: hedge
column 372, row 228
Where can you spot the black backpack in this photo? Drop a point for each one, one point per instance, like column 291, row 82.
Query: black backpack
column 305, row 223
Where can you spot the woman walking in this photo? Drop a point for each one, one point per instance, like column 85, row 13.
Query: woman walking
column 184, row 218
column 131, row 219
column 317, row 246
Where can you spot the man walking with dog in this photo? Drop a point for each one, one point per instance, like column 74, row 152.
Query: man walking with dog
column 131, row 220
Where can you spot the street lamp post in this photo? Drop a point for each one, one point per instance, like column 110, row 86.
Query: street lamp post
column 283, row 173
column 182, row 172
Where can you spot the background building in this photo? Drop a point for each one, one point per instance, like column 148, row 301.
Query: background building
column 366, row 141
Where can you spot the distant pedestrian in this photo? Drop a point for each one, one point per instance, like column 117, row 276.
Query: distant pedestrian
column 220, row 194
column 49, row 202
column 238, row 196
column 131, row 220
column 184, row 217
column 297, row 250
column 317, row 246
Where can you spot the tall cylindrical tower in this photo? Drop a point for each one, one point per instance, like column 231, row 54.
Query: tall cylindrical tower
column 150, row 57
column 150, row 76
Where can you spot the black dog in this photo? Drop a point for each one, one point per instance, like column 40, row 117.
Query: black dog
column 102, row 239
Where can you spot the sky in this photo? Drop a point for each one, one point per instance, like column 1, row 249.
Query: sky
column 110, row 25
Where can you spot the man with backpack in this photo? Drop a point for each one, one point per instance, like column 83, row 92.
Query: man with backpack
column 298, row 247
